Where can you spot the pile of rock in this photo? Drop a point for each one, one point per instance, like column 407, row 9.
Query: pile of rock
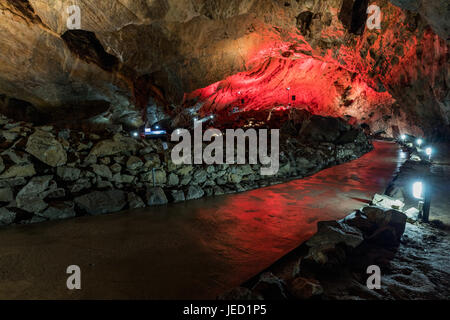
column 336, row 248
column 50, row 173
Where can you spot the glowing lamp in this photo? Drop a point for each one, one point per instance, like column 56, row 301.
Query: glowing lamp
column 417, row 190
column 419, row 142
column 135, row 134
column 157, row 127
column 148, row 130
column 403, row 137
column 428, row 151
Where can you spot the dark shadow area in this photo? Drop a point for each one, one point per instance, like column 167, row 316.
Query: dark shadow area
column 88, row 48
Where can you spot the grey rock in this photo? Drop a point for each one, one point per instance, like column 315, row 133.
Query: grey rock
column 194, row 192
column 13, row 182
column 6, row 194
column 68, row 173
column 101, row 202
column 134, row 201
column 325, row 241
column 270, row 287
column 390, row 224
column 134, row 163
column 59, row 210
column 56, row 193
column 101, row 184
column 102, row 171
column 200, row 176
column 6, row 216
column 116, row 168
column 19, row 171
column 156, row 196
column 114, row 146
column 173, row 179
column 302, row 288
column 240, row 294
column 152, row 160
column 178, row 195
column 323, row 129
column 158, row 177
column 46, row 148
column 30, row 197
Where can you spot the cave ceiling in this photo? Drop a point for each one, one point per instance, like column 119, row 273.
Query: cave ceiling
column 230, row 53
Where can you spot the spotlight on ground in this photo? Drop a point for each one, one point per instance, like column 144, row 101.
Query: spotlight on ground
column 417, row 190
column 429, row 151
column 419, row 142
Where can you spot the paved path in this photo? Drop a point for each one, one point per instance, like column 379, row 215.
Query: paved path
column 190, row 250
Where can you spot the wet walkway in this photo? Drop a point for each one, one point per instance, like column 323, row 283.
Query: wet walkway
column 189, row 250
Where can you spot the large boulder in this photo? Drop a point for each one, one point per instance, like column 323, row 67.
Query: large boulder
column 59, row 210
column 101, row 202
column 30, row 197
column 390, row 224
column 19, row 171
column 156, row 196
column 116, row 145
column 46, row 148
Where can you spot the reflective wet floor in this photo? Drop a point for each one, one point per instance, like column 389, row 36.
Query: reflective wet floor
column 192, row 250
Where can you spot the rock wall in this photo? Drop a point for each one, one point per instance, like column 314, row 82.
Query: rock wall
column 48, row 173
column 223, row 52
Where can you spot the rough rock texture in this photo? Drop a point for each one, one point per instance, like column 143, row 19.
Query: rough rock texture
column 113, row 172
column 235, row 53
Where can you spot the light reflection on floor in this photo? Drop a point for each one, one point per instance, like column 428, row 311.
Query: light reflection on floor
column 189, row 250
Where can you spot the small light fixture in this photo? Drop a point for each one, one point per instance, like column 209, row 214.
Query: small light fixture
column 135, row 134
column 417, row 190
column 403, row 137
column 148, row 130
column 429, row 152
column 419, row 142
column 157, row 127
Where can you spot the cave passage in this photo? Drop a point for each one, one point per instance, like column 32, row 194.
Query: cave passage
column 193, row 250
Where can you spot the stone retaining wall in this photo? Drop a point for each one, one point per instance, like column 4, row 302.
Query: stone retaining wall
column 48, row 173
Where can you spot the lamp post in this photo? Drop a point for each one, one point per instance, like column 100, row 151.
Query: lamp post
column 429, row 152
column 419, row 142
column 423, row 194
